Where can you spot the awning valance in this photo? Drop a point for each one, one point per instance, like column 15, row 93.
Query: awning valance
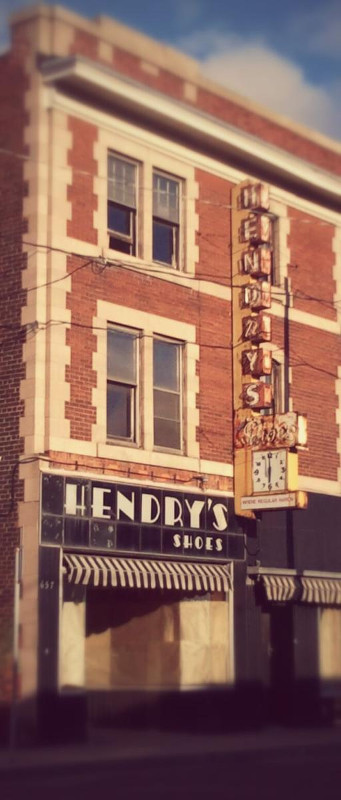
column 145, row 574
column 279, row 588
column 323, row 591
column 314, row 589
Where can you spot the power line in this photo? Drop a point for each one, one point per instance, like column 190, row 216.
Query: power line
column 103, row 263
column 228, row 206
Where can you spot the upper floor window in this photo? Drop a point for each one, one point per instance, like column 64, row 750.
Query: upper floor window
column 166, row 219
column 122, row 383
column 276, row 256
column 276, row 380
column 167, row 368
column 122, row 195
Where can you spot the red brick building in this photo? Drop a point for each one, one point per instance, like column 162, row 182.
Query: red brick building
column 126, row 575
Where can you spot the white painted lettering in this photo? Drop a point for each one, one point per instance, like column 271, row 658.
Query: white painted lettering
column 171, row 517
column 177, row 540
column 99, row 509
column 194, row 512
column 71, row 505
column 221, row 517
column 148, row 514
column 198, row 542
column 125, row 505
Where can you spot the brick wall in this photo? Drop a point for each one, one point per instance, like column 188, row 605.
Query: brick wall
column 311, row 264
column 12, row 262
column 205, row 99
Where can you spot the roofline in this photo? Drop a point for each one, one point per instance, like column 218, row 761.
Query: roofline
column 102, row 82
column 116, row 33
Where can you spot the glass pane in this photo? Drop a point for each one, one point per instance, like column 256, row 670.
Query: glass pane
column 122, row 181
column 121, row 361
column 165, row 198
column 166, row 365
column 166, row 405
column 167, row 433
column 119, row 219
column 119, row 403
column 122, row 245
column 165, row 243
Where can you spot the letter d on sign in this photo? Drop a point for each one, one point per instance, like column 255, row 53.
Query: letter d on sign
column 148, row 500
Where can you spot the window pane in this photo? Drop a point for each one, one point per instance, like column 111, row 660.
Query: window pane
column 122, row 181
column 166, row 405
column 165, row 198
column 166, row 365
column 123, row 245
column 165, row 243
column 119, row 405
column 119, row 219
column 121, row 361
column 167, row 433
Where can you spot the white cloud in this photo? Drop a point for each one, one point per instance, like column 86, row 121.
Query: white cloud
column 254, row 70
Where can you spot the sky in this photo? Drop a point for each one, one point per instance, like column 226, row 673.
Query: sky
column 286, row 56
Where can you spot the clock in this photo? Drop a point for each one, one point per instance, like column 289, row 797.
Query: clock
column 269, row 471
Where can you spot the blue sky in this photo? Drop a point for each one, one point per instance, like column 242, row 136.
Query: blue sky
column 286, row 56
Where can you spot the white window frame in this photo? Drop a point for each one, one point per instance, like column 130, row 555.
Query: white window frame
column 174, row 225
column 181, row 351
column 133, row 439
column 143, row 451
column 132, row 238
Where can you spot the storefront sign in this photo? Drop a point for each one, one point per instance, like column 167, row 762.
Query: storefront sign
column 271, row 501
column 117, row 517
column 280, row 430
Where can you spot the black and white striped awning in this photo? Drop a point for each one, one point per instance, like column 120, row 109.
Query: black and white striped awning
column 323, row 591
column 91, row 570
column 279, row 588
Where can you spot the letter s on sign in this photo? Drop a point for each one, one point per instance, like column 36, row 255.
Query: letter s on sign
column 177, row 540
column 221, row 517
column 251, row 395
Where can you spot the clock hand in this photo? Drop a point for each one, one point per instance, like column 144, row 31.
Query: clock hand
column 269, row 468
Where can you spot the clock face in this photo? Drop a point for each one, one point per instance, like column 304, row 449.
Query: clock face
column 269, row 471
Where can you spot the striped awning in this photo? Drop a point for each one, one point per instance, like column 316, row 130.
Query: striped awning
column 279, row 588
column 323, row 591
column 91, row 570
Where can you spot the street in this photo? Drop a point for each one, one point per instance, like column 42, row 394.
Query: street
column 305, row 771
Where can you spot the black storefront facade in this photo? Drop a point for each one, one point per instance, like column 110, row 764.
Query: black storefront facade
column 200, row 619
column 136, row 605
column 289, row 598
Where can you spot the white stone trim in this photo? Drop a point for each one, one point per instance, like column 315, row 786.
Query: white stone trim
column 147, row 481
column 281, row 249
column 338, row 419
column 149, row 325
column 196, row 123
column 304, row 318
column 54, row 98
column 139, row 149
column 319, row 485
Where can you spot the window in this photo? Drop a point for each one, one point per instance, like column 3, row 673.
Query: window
column 167, row 393
column 276, row 379
column 122, row 176
column 166, row 216
column 121, row 383
column 275, row 264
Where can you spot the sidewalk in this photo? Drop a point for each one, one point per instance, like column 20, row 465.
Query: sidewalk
column 108, row 745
